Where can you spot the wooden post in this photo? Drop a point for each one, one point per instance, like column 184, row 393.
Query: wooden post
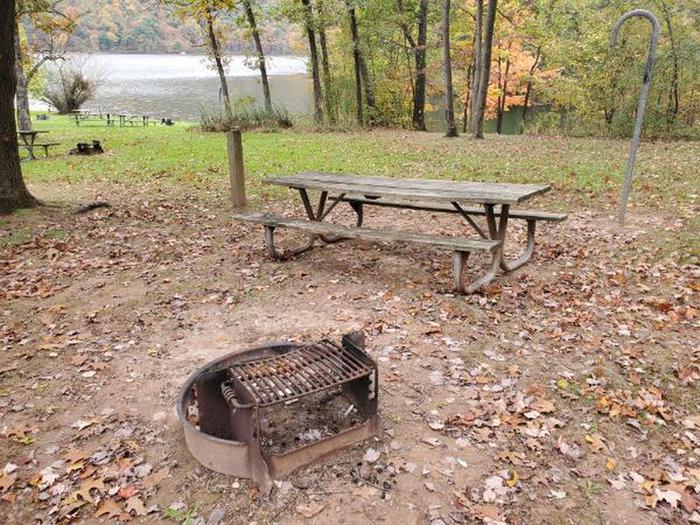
column 235, row 168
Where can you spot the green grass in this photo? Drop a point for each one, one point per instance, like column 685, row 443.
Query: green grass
column 585, row 170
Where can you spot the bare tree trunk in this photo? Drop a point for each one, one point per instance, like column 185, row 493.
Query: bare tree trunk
column 447, row 72
column 215, row 49
column 467, row 99
column 485, row 70
column 478, row 40
column 23, row 117
column 329, row 98
column 13, row 192
column 369, row 91
column 357, row 60
column 313, row 52
column 528, row 89
column 250, row 15
column 673, row 91
column 420, row 52
column 502, row 100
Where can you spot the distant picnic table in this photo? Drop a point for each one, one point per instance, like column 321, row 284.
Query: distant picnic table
column 111, row 118
column 438, row 196
column 28, row 138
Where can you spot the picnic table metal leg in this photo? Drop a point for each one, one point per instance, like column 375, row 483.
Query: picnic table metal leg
column 509, row 266
column 497, row 233
column 459, row 263
column 29, row 143
column 500, row 233
column 359, row 211
column 270, row 230
column 320, row 213
column 280, row 256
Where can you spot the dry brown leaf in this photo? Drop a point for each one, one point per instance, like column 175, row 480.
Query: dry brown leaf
column 128, row 491
column 136, row 505
column 596, row 442
column 610, row 464
column 74, row 455
column 544, row 406
column 79, row 360
column 6, row 481
column 89, row 484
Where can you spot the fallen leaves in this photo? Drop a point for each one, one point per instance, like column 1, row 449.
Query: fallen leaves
column 6, row 482
column 135, row 505
column 88, row 485
column 20, row 433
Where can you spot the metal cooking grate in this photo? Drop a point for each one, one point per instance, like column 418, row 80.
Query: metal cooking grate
column 300, row 372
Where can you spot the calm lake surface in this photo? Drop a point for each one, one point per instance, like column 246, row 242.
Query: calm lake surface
column 178, row 86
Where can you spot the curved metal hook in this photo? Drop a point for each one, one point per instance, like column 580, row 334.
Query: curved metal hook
column 641, row 105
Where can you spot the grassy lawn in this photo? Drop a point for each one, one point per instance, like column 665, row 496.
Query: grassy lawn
column 586, row 171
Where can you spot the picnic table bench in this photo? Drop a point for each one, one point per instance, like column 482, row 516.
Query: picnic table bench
column 416, row 194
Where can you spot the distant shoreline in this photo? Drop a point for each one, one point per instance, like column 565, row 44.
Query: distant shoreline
column 193, row 54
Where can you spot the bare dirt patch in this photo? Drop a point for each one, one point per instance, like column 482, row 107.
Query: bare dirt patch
column 566, row 392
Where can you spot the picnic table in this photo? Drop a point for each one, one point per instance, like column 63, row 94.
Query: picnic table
column 493, row 201
column 28, row 138
column 111, row 118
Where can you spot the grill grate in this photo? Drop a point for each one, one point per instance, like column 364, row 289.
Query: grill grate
column 302, row 371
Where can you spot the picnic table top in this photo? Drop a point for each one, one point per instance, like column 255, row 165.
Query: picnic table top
column 413, row 189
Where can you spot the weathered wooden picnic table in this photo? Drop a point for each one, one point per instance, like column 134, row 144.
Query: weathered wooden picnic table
column 495, row 201
column 28, row 138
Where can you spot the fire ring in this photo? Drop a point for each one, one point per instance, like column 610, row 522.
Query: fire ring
column 222, row 405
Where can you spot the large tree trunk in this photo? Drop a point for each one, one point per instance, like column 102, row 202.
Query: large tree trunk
column 447, row 71
column 248, row 7
column 328, row 98
column 215, row 49
column 23, row 118
column 420, row 52
column 476, row 71
column 313, row 52
column 485, row 70
column 357, row 58
column 13, row 192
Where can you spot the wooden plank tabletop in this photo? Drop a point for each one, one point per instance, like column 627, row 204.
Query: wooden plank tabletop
column 413, row 189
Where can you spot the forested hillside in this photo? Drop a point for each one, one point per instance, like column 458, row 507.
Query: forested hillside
column 146, row 26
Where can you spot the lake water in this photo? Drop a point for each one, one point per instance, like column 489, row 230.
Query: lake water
column 179, row 86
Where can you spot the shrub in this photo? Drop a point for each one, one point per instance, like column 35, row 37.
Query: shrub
column 68, row 87
column 244, row 115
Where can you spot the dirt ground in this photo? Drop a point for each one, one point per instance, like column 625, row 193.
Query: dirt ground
column 566, row 392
